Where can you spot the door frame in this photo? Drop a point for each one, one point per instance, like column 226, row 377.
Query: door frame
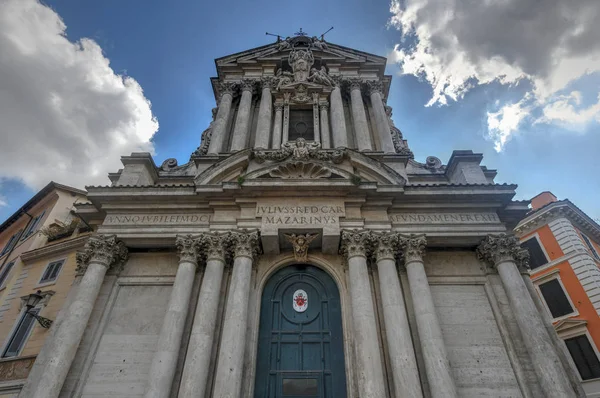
column 266, row 267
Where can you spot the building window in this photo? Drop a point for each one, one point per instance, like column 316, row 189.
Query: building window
column 11, row 243
column 301, row 125
column 584, row 356
column 591, row 247
column 32, row 226
column 537, row 257
column 557, row 301
column 51, row 272
column 5, row 272
column 20, row 334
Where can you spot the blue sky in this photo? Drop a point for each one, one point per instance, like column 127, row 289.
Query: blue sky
column 168, row 50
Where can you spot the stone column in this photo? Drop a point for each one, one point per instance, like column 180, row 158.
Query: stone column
column 100, row 253
column 504, row 253
column 355, row 247
column 230, row 366
column 437, row 366
column 277, row 126
column 381, row 120
column 338, row 120
column 226, row 90
column 263, row 127
column 197, row 360
column 325, row 139
column 242, row 121
column 164, row 360
column 316, row 129
column 361, row 127
column 402, row 355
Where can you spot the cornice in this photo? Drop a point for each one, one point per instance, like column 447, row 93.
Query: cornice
column 556, row 210
column 45, row 251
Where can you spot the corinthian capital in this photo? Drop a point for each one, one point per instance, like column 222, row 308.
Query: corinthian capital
column 226, row 88
column 215, row 246
column 355, row 243
column 102, row 249
column 354, row 83
column 385, row 245
column 244, row 244
column 248, row 85
column 495, row 249
column 413, row 247
column 188, row 248
column 269, row 82
column 375, row 86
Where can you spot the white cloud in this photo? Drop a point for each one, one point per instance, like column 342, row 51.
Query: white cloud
column 454, row 45
column 3, row 201
column 66, row 116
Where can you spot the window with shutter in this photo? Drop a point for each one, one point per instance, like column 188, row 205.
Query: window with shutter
column 555, row 298
column 591, row 247
column 537, row 257
column 51, row 272
column 584, row 356
column 20, row 334
column 11, row 243
column 5, row 272
column 32, row 227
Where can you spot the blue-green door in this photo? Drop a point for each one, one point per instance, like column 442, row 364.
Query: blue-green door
column 300, row 346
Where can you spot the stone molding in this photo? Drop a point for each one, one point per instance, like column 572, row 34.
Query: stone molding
column 54, row 249
column 413, row 247
column 245, row 244
column 103, row 249
column 495, row 249
column 188, row 248
column 356, row 243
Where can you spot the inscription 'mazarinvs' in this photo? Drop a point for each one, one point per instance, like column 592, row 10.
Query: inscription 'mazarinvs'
column 285, row 215
column 444, row 218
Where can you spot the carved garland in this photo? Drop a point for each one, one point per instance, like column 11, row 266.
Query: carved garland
column 300, row 150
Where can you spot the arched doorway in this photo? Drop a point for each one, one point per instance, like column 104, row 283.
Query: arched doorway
column 300, row 344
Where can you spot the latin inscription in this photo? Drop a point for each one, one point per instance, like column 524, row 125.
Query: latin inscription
column 289, row 215
column 444, row 218
column 160, row 219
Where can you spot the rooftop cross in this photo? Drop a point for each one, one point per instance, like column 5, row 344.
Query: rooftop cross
column 300, row 33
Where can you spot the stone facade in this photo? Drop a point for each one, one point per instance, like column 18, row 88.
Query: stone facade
column 432, row 300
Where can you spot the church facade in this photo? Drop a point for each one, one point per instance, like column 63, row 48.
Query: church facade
column 302, row 252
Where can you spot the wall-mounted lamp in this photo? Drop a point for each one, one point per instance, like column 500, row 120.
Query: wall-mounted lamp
column 31, row 301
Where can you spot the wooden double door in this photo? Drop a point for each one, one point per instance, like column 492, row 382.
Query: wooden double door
column 300, row 348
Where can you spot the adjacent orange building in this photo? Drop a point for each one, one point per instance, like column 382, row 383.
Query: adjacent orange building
column 564, row 246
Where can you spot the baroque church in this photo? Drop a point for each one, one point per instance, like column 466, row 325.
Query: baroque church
column 302, row 251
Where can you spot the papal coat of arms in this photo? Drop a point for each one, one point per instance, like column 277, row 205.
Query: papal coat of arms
column 300, row 301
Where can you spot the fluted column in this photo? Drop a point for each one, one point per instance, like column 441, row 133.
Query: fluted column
column 164, row 361
column 316, row 124
column 400, row 345
column 381, row 120
column 277, row 126
column 355, row 247
column 226, row 90
column 504, row 252
column 228, row 378
column 263, row 127
column 437, row 366
column 338, row 120
column 359, row 117
column 242, row 121
column 197, row 360
column 100, row 253
column 325, row 138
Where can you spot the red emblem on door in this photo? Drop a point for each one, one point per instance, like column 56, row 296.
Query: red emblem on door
column 300, row 300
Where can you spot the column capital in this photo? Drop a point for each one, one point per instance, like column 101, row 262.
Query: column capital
column 244, row 244
column 188, row 248
column 227, row 88
column 102, row 249
column 353, row 83
column 324, row 105
column 385, row 245
column 268, row 82
column 215, row 246
column 413, row 247
column 247, row 85
column 502, row 247
column 356, row 243
column 278, row 106
column 375, row 86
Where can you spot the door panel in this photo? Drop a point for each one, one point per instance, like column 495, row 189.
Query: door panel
column 300, row 350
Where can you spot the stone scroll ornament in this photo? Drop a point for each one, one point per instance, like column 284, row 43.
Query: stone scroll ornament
column 300, row 150
column 102, row 249
column 495, row 249
column 300, row 245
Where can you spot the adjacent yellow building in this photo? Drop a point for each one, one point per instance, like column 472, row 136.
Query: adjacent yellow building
column 37, row 267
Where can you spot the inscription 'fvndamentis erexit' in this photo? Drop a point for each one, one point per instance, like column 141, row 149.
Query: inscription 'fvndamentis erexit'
column 444, row 218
